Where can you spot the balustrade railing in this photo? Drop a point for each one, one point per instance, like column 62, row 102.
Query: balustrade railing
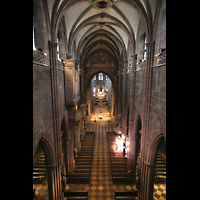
column 39, row 57
column 161, row 58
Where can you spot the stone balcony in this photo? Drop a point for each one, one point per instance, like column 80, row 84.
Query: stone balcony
column 161, row 58
column 39, row 58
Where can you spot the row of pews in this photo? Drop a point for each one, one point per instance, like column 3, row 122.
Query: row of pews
column 83, row 162
column 76, row 195
column 160, row 169
column 118, row 163
column 39, row 168
column 119, row 171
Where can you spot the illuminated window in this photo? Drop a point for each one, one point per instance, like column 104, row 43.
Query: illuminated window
column 94, row 78
column 100, row 76
column 33, row 38
column 106, row 77
column 144, row 54
column 57, row 49
column 94, row 89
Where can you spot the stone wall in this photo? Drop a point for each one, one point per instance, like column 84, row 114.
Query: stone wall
column 42, row 105
column 61, row 95
column 139, row 93
column 157, row 122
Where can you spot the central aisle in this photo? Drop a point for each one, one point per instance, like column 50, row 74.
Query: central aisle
column 101, row 186
column 101, row 178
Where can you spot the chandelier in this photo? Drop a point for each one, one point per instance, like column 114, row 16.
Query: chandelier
column 102, row 5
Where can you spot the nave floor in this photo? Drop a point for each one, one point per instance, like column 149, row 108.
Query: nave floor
column 101, row 186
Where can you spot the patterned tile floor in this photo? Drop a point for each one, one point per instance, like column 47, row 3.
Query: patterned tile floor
column 41, row 190
column 101, row 186
column 159, row 192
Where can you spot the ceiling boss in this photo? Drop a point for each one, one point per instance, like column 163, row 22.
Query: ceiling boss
column 102, row 5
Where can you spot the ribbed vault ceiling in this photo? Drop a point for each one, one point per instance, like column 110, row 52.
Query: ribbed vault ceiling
column 89, row 29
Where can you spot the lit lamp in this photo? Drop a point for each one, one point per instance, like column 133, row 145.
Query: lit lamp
column 119, row 143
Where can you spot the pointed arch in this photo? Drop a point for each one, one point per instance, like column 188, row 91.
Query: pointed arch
column 50, row 163
column 155, row 144
column 48, row 150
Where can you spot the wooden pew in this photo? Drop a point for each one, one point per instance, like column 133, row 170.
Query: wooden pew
column 78, row 195
column 83, row 161
column 78, row 180
column 118, row 164
column 125, row 195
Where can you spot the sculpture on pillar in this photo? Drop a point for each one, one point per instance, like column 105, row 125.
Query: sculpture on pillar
column 63, row 177
column 137, row 178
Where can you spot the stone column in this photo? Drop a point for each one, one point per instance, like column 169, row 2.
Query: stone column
column 120, row 97
column 124, row 102
column 145, row 120
column 51, row 179
column 67, row 158
column 77, row 136
column 69, row 81
column 150, row 181
column 82, row 85
column 113, row 100
column 72, row 124
column 57, row 129
column 132, row 135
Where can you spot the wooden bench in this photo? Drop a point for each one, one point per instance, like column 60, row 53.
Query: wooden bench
column 78, row 175
column 124, row 180
column 78, row 162
column 82, row 166
column 125, row 195
column 78, row 180
column 36, row 169
column 81, row 195
column 83, row 161
column 38, row 179
column 123, row 174
column 118, row 164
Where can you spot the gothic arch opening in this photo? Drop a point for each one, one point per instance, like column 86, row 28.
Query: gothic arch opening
column 42, row 171
column 100, row 96
column 157, row 167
